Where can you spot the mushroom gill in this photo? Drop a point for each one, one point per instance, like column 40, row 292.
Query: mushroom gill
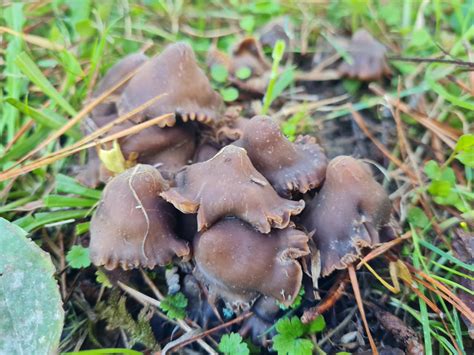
column 368, row 58
column 176, row 75
column 229, row 185
column 133, row 226
column 352, row 211
column 299, row 166
column 238, row 263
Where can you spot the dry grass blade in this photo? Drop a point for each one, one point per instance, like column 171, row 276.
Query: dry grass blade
column 36, row 40
column 441, row 290
column 18, row 135
column 358, row 297
column 65, row 153
column 88, row 108
column 360, row 122
column 104, row 129
column 201, row 335
column 383, row 248
column 447, row 134
column 334, row 294
column 144, row 299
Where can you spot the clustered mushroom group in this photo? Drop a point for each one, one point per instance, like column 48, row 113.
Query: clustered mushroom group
column 229, row 194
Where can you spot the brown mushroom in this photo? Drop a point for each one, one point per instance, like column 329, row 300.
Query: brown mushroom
column 298, row 166
column 265, row 311
column 205, row 151
column 350, row 212
column 133, row 226
column 238, row 263
column 113, row 76
column 176, row 75
column 248, row 53
column 280, row 28
column 368, row 56
column 229, row 185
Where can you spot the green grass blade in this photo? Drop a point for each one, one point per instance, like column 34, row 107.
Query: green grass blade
column 31, row 70
column 67, row 184
column 448, row 256
column 50, row 120
column 41, row 219
column 67, row 201
column 14, row 19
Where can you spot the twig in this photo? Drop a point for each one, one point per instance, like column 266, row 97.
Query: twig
column 212, row 330
column 358, row 297
column 431, row 60
column 334, row 294
column 88, row 108
column 142, row 298
column 360, row 122
column 340, row 326
column 8, row 174
column 447, row 134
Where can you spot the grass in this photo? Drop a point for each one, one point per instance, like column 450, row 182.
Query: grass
column 55, row 51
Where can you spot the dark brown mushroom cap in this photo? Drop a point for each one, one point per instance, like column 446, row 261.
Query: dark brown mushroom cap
column 348, row 214
column 238, row 263
column 205, row 151
column 248, row 53
column 231, row 129
column 280, row 28
column 229, row 185
column 368, row 55
column 113, row 76
column 265, row 311
column 133, row 226
column 298, row 166
column 175, row 73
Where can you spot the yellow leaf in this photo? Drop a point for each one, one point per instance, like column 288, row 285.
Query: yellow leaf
column 113, row 159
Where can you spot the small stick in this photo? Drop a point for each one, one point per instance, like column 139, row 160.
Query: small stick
column 358, row 297
column 142, row 298
column 334, row 294
column 212, row 330
column 431, row 60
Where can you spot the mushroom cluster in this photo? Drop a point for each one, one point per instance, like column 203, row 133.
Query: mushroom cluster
column 222, row 190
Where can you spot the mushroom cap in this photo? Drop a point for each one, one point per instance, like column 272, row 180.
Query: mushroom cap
column 349, row 213
column 265, row 311
column 229, row 185
column 238, row 263
column 298, row 166
column 176, row 74
column 205, row 151
column 113, row 76
column 249, row 53
column 280, row 28
column 133, row 226
column 368, row 57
